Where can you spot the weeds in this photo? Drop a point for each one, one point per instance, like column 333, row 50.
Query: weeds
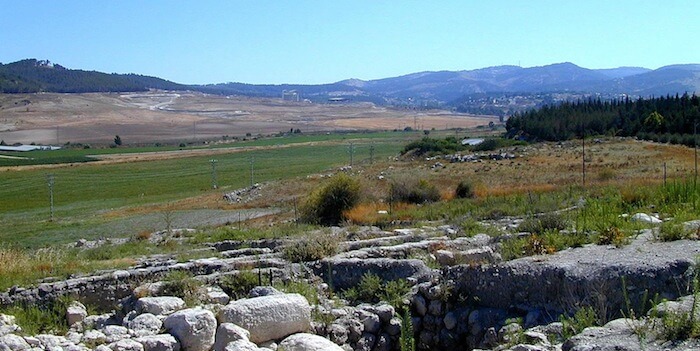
column 583, row 318
column 35, row 319
column 407, row 341
column 372, row 289
column 239, row 285
column 311, row 248
column 672, row 231
column 183, row 285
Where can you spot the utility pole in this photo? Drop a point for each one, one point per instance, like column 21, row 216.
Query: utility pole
column 57, row 139
column 583, row 158
column 351, row 150
column 371, row 154
column 194, row 131
column 50, row 182
column 695, row 145
column 252, row 161
column 214, row 185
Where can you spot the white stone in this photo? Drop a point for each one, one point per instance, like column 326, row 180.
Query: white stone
column 161, row 342
column 160, row 305
column 146, row 322
column 645, row 218
column 269, row 317
column 216, row 295
column 115, row 333
column 308, row 342
column 241, row 345
column 76, row 313
column 50, row 341
column 14, row 342
column 126, row 345
column 227, row 333
column 93, row 337
column 195, row 328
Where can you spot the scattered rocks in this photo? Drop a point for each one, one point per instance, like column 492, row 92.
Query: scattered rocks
column 160, row 305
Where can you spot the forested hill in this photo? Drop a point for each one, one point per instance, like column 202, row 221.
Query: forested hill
column 31, row 76
column 665, row 119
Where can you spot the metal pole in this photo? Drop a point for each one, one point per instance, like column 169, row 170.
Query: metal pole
column 583, row 168
column 50, row 181
column 214, row 184
column 695, row 145
column 352, row 149
column 252, row 161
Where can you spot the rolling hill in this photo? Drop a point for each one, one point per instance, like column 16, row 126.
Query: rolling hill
column 441, row 87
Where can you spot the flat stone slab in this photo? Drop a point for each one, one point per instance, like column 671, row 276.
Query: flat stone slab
column 589, row 275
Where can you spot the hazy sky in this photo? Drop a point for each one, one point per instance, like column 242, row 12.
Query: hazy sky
column 329, row 40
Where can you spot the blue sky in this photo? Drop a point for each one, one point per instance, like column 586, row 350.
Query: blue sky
column 326, row 41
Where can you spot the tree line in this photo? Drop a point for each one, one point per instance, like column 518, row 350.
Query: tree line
column 665, row 119
column 31, row 76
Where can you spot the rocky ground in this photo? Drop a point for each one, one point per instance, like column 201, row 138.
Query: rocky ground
column 463, row 296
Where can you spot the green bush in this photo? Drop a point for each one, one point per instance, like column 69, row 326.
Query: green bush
column 671, row 231
column 543, row 223
column 372, row 289
column 183, row 285
column 325, row 206
column 311, row 248
column 239, row 285
column 413, row 191
column 464, row 190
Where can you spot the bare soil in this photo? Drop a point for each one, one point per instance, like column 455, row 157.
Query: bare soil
column 187, row 116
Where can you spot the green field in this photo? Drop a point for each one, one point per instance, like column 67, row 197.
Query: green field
column 79, row 154
column 82, row 192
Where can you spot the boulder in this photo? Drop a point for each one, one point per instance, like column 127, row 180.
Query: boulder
column 227, row 333
column 194, row 328
column 93, row 337
column 308, row 342
column 161, row 342
column 269, row 317
column 76, row 313
column 8, row 324
column 645, row 218
column 13, row 342
column 215, row 294
column 126, row 345
column 241, row 345
column 160, row 305
column 146, row 322
column 347, row 272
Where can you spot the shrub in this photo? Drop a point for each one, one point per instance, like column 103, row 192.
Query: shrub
column 239, row 285
column 183, row 285
column 325, row 206
column 543, row 223
column 372, row 289
column 311, row 248
column 413, row 191
column 611, row 236
column 464, row 190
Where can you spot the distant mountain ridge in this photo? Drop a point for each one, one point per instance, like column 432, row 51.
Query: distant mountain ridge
column 441, row 87
column 32, row 75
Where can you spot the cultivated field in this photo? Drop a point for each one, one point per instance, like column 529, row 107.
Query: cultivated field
column 187, row 116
